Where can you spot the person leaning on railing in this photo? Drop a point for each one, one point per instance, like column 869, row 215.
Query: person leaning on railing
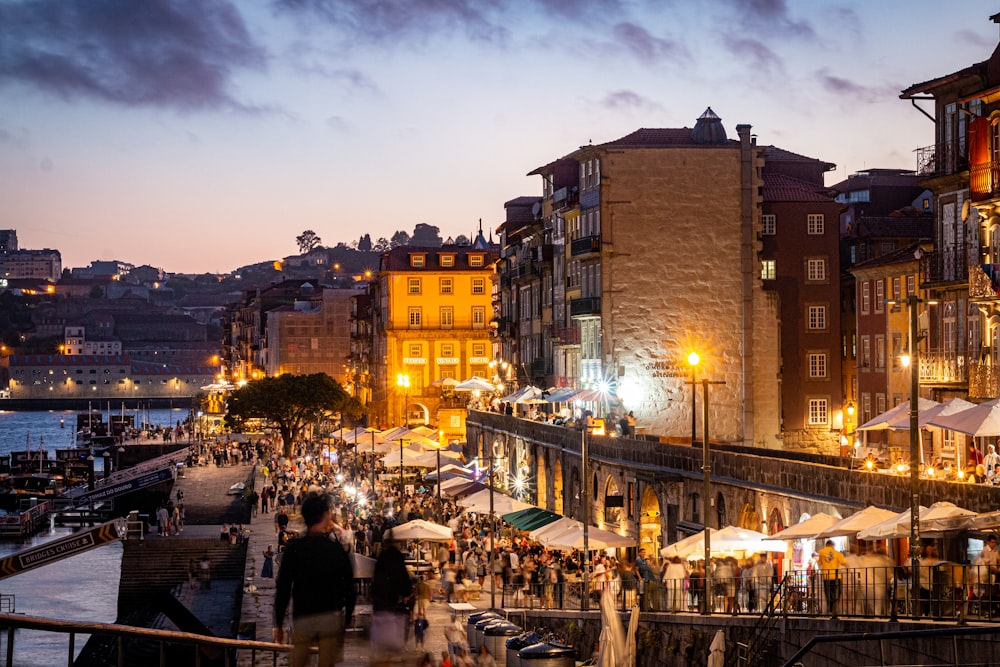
column 831, row 562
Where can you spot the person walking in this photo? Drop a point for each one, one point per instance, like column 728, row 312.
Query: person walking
column 391, row 592
column 267, row 571
column 316, row 576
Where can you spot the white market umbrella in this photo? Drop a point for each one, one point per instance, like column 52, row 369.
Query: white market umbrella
column 502, row 503
column 572, row 538
column 560, row 395
column 364, row 567
column 419, row 529
column 391, row 460
column 887, row 529
column 985, row 521
column 978, row 421
column 444, row 382
column 732, row 538
column 858, row 521
column 631, row 653
column 807, row 529
column 686, row 546
column 938, row 517
column 717, row 651
column 430, row 459
column 475, row 384
column 557, row 527
column 925, row 417
column 901, row 411
column 611, row 645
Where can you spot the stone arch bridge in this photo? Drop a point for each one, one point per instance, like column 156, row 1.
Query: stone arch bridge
column 650, row 490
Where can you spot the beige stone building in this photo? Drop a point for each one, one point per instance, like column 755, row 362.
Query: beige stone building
column 659, row 235
column 311, row 335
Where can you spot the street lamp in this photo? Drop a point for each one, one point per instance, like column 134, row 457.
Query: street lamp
column 403, row 383
column 440, row 443
column 693, row 360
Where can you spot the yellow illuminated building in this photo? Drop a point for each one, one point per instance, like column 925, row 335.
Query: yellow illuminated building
column 432, row 308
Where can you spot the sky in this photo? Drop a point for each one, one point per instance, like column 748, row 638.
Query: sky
column 203, row 135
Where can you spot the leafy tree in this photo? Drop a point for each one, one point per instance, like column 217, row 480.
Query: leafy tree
column 399, row 238
column 426, row 235
column 381, row 245
column 365, row 243
column 292, row 402
column 307, row 240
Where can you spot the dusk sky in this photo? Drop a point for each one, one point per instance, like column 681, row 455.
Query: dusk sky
column 202, row 135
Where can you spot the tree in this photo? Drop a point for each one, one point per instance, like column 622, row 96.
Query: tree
column 426, row 235
column 400, row 238
column 382, row 245
column 292, row 402
column 307, row 240
column 365, row 243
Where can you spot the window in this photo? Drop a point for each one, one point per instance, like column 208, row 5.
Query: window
column 911, row 285
column 817, row 318
column 414, row 350
column 879, row 295
column 880, row 403
column 413, row 286
column 817, row 365
column 447, row 260
column 478, row 317
column 815, row 269
column 446, row 285
column 767, row 269
column 479, row 349
column 476, row 260
column 479, row 286
column 866, row 352
column 447, row 350
column 415, row 318
column 818, row 411
column 880, row 352
column 447, row 317
column 416, row 261
column 767, row 223
column 815, row 224
column 866, row 297
column 896, row 286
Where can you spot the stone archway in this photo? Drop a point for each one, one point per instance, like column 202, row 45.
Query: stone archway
column 541, row 496
column 650, row 524
column 417, row 413
column 612, row 513
column 775, row 521
column 558, row 502
column 749, row 518
column 574, row 501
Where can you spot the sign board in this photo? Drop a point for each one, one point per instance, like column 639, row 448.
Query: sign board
column 56, row 550
column 127, row 486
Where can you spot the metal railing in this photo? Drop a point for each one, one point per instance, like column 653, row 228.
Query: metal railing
column 209, row 648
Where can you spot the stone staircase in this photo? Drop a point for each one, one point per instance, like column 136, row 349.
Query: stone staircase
column 160, row 564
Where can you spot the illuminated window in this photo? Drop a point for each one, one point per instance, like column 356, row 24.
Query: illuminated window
column 413, row 286
column 416, row 261
column 415, row 318
column 478, row 317
column 415, row 351
column 446, row 285
column 478, row 349
column 866, row 297
column 447, row 317
column 479, row 286
column 879, row 295
column 768, row 224
column 447, row 350
column 819, row 412
column 815, row 225
column 768, row 270
column 476, row 260
column 447, row 260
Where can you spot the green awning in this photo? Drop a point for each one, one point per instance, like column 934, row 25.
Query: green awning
column 531, row 518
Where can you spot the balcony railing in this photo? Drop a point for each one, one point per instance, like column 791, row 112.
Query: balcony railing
column 587, row 306
column 984, row 381
column 984, row 181
column 945, row 265
column 585, row 245
column 940, row 366
column 563, row 335
column 944, row 158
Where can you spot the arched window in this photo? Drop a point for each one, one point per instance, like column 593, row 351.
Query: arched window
column 720, row 510
column 695, row 508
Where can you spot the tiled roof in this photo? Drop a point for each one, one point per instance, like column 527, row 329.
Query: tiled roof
column 782, row 188
column 398, row 259
column 68, row 359
column 879, row 177
column 648, row 137
column 895, row 227
column 775, row 154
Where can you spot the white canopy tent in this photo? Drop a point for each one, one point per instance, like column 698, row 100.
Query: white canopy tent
column 850, row 525
column 808, row 529
column 419, row 529
column 572, row 538
column 936, row 518
column 502, row 503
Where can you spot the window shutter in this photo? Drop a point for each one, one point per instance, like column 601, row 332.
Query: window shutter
column 979, row 157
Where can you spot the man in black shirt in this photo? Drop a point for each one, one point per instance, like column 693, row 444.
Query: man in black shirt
column 316, row 575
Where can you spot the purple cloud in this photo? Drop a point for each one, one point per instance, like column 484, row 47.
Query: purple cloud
column 645, row 46
column 770, row 16
column 166, row 53
column 756, row 52
column 627, row 99
column 852, row 91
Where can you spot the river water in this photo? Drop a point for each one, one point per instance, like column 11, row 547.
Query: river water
column 81, row 588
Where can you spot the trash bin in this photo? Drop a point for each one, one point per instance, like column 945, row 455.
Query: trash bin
column 496, row 636
column 547, row 654
column 515, row 644
column 470, row 628
column 480, row 633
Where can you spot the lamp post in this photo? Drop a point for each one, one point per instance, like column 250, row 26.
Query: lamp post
column 373, row 463
column 693, row 360
column 585, row 496
column 440, row 442
column 913, row 362
column 493, row 533
column 403, row 382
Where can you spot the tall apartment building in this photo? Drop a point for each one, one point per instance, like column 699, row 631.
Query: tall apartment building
column 660, row 254
column 431, row 308
column 311, row 335
column 43, row 264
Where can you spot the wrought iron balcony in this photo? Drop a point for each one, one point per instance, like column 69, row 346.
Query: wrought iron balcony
column 984, row 181
column 563, row 335
column 938, row 366
column 944, row 158
column 585, row 245
column 944, row 266
column 586, row 306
